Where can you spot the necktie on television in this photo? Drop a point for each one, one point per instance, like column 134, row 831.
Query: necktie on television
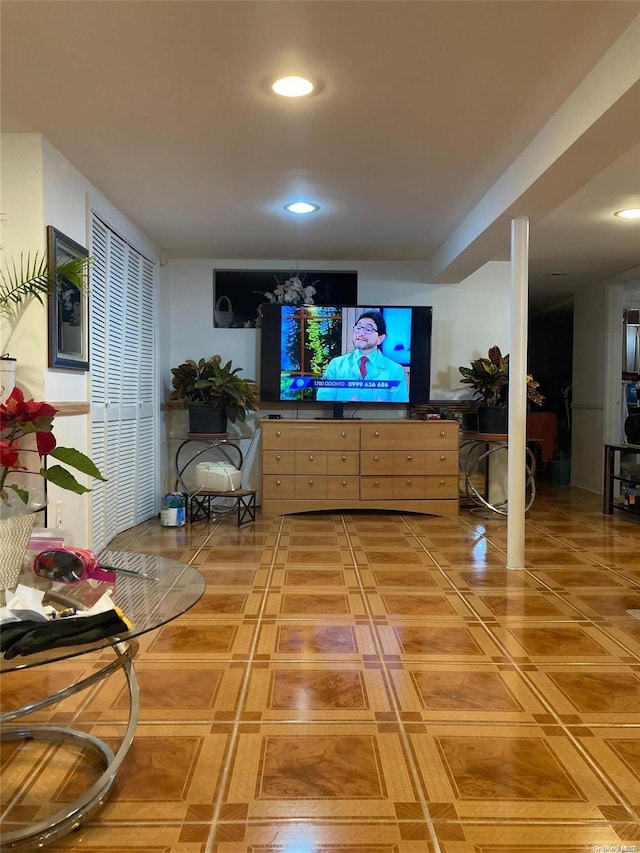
column 363, row 366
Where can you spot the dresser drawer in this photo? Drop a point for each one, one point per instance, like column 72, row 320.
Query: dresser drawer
column 441, row 462
column 441, row 487
column 376, row 488
column 278, row 462
column 411, row 462
column 394, row 462
column 306, row 435
column 343, row 463
column 410, row 435
column 408, row 488
column 311, row 488
column 282, row 488
column 311, row 462
column 377, row 464
column 343, row 488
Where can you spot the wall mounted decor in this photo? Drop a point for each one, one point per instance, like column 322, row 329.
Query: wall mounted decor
column 247, row 290
column 68, row 307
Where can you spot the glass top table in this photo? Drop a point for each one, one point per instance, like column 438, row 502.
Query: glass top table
column 169, row 590
column 146, row 603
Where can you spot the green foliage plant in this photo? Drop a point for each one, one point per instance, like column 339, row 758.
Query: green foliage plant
column 30, row 277
column 209, row 381
column 489, row 377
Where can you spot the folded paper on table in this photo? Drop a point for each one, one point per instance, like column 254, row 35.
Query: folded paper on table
column 25, row 602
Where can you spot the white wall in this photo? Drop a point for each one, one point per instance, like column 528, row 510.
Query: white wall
column 468, row 317
column 40, row 187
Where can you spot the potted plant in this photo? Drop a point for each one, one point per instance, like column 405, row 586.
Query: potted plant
column 489, row 378
column 31, row 277
column 20, row 420
column 213, row 393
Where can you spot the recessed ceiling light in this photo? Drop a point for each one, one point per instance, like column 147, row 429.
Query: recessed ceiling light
column 292, row 87
column 629, row 213
column 301, row 207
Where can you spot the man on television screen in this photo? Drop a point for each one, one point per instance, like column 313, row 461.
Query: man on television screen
column 364, row 375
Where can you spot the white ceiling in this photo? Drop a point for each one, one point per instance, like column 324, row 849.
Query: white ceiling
column 436, row 123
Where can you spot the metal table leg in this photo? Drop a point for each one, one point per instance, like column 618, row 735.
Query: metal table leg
column 71, row 816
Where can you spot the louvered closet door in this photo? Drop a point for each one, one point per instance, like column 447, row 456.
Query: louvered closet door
column 122, row 384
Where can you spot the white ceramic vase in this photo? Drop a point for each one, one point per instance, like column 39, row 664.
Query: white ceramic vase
column 14, row 539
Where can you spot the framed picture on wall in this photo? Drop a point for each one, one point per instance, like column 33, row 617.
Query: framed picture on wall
column 238, row 294
column 68, row 304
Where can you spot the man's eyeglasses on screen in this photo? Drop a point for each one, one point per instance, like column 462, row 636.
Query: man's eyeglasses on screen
column 366, row 330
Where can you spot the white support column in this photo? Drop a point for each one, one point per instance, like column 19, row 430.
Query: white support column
column 516, row 476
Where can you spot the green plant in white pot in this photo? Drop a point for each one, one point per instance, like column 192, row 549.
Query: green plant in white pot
column 213, row 393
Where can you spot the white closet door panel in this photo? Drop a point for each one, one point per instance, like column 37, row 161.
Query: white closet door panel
column 123, row 385
column 98, row 315
column 131, row 330
column 146, row 470
column 99, row 491
column 115, row 318
column 127, row 486
column 147, row 339
column 112, row 492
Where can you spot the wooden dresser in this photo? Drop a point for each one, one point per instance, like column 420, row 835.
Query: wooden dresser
column 368, row 464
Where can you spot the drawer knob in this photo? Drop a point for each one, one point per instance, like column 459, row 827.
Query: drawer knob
column 443, row 458
column 408, row 482
column 278, row 457
column 310, row 458
column 442, row 482
column 442, row 434
column 409, row 458
column 344, row 458
column 278, row 482
column 376, row 458
column 377, row 434
column 278, row 433
column 376, row 483
column 311, row 482
column 343, row 434
column 344, row 482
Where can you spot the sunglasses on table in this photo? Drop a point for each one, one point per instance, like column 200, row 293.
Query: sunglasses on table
column 71, row 565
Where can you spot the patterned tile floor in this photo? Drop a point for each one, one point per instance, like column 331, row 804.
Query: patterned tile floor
column 372, row 683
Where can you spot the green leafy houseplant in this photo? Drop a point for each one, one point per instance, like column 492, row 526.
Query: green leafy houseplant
column 31, row 277
column 210, row 382
column 489, row 378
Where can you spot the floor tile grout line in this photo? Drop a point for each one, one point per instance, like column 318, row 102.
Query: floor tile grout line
column 545, row 821
column 530, row 571
column 227, row 763
column 532, row 686
column 393, row 699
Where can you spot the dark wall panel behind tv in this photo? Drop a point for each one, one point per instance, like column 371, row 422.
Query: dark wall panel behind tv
column 245, row 290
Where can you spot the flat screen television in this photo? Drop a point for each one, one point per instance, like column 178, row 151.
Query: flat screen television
column 314, row 354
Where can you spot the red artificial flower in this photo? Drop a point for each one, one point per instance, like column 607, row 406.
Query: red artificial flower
column 45, row 442
column 9, row 454
column 24, row 411
column 20, row 418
